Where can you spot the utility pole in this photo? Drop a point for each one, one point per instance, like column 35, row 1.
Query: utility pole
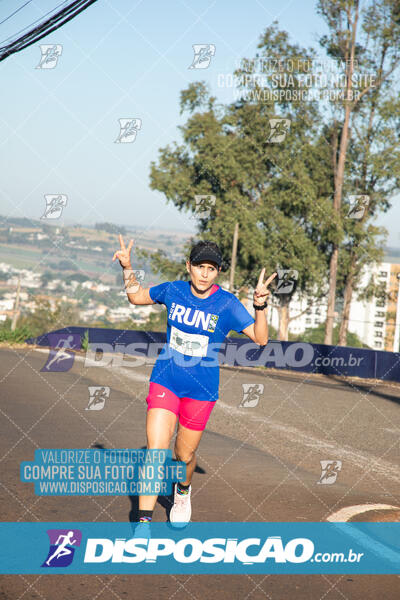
column 233, row 258
column 16, row 306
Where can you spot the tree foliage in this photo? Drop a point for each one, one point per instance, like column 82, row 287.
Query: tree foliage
column 291, row 199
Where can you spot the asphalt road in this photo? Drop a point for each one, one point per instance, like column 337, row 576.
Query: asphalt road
column 255, row 463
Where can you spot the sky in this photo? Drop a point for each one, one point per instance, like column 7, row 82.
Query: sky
column 121, row 60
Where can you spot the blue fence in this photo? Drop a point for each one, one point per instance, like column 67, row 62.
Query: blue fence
column 295, row 356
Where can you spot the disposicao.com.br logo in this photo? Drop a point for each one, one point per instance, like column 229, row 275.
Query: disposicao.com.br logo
column 192, row 550
column 201, row 548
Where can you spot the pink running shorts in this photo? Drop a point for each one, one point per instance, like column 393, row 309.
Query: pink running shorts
column 193, row 414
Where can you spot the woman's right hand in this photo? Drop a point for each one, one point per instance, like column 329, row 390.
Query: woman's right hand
column 124, row 255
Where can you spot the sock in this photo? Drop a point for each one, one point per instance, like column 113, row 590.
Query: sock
column 183, row 489
column 145, row 516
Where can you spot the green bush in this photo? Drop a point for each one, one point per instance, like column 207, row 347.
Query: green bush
column 272, row 333
column 85, row 341
column 316, row 335
column 19, row 335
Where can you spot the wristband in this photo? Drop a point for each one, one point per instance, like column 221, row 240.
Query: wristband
column 256, row 307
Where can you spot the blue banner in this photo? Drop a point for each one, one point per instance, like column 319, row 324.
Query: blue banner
column 146, row 345
column 200, row 548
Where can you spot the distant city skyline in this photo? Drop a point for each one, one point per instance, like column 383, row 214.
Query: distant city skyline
column 395, row 245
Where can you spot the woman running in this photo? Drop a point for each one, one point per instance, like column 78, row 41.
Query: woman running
column 185, row 378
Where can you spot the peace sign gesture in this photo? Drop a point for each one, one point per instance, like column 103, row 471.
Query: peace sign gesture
column 124, row 255
column 262, row 292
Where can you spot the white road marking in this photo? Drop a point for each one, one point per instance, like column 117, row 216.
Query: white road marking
column 394, row 431
column 374, row 546
column 362, row 460
column 344, row 514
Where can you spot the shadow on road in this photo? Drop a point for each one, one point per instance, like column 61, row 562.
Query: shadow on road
column 165, row 501
column 367, row 388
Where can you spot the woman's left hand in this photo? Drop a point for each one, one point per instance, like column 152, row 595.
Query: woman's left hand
column 262, row 292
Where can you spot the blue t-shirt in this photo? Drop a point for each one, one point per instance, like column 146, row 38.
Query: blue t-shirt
column 188, row 364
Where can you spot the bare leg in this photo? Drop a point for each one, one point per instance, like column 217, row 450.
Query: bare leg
column 186, row 443
column 160, row 426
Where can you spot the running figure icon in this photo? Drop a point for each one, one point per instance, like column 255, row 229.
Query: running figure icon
column 61, row 354
column 62, row 549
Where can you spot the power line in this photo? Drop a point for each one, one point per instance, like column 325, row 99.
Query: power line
column 15, row 12
column 37, row 20
column 52, row 24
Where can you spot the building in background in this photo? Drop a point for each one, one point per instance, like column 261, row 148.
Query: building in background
column 376, row 321
column 305, row 313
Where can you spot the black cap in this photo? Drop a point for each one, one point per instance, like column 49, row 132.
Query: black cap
column 206, row 252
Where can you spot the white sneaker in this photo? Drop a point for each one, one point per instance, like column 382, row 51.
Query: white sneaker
column 182, row 510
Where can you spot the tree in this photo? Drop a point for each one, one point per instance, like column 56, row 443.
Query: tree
column 79, row 277
column 65, row 265
column 45, row 277
column 374, row 161
column 111, row 228
column 361, row 247
column 368, row 40
column 277, row 191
